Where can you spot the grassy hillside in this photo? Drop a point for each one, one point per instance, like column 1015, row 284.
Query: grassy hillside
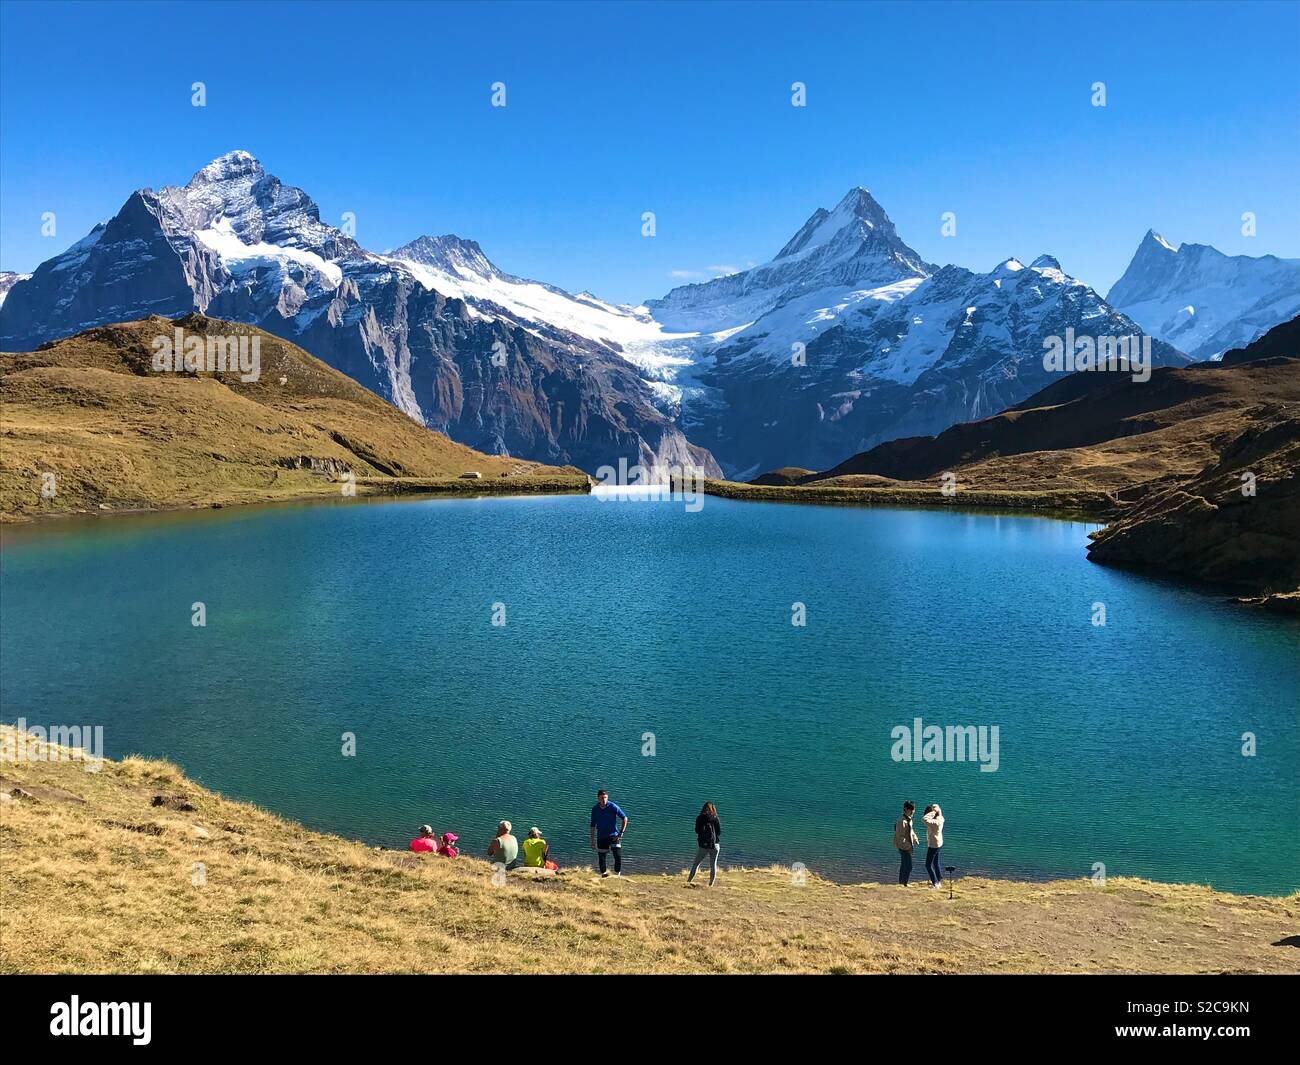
column 1094, row 432
column 119, row 435
column 96, row 875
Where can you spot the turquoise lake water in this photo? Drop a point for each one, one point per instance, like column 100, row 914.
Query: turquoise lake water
column 1118, row 744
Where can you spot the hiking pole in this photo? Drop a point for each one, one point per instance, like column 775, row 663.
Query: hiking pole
column 951, row 869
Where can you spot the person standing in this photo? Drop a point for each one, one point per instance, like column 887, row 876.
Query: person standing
column 708, row 838
column 608, row 825
column 933, row 818
column 905, row 839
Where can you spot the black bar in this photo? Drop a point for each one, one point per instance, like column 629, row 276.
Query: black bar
column 429, row 1013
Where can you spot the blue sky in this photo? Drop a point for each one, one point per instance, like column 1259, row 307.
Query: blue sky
column 680, row 109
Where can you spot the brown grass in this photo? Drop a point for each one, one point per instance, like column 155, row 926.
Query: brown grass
column 118, row 435
column 96, row 876
column 1085, row 443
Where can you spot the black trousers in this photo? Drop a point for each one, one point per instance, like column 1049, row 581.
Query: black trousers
column 606, row 845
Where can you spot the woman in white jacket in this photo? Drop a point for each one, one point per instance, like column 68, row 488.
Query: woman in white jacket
column 933, row 818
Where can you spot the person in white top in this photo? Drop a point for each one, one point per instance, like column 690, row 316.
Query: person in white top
column 933, row 818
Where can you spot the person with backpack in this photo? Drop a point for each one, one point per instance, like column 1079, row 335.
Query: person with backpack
column 708, row 838
column 905, row 839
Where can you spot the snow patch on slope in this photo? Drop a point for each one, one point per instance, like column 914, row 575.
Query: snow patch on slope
column 221, row 239
column 531, row 301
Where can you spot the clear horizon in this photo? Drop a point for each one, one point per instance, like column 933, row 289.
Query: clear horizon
column 984, row 111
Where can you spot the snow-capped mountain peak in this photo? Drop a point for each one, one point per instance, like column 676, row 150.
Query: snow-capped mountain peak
column 845, row 338
column 448, row 252
column 1203, row 301
column 853, row 217
column 858, row 225
column 229, row 167
column 855, row 245
column 1157, row 241
column 847, row 367
column 257, row 208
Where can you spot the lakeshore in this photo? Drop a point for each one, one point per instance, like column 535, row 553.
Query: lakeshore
column 168, row 877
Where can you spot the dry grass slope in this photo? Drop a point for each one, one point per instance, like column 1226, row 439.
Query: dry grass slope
column 119, row 435
column 96, row 876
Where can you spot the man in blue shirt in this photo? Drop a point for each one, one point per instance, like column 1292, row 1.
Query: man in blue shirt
column 608, row 824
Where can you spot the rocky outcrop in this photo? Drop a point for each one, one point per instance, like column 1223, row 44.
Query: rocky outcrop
column 1236, row 523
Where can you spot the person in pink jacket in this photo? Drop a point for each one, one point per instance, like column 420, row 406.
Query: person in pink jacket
column 426, row 841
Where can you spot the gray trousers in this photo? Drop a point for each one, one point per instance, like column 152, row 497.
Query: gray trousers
column 711, row 853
